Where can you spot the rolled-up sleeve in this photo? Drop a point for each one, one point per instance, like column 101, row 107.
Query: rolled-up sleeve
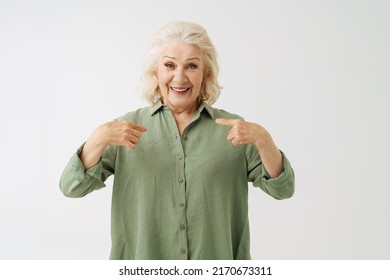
column 77, row 182
column 281, row 187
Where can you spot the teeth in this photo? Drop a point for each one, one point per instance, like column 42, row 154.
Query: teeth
column 179, row 89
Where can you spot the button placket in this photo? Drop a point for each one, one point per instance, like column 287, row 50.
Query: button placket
column 180, row 158
column 179, row 189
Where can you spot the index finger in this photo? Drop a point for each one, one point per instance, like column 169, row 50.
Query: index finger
column 140, row 128
column 227, row 122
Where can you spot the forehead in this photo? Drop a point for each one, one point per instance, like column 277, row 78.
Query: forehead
column 181, row 51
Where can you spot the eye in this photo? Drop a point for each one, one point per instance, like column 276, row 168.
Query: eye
column 169, row 65
column 192, row 66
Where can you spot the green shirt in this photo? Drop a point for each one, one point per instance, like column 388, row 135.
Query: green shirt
column 179, row 197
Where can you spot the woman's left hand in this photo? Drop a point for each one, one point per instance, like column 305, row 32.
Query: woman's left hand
column 243, row 132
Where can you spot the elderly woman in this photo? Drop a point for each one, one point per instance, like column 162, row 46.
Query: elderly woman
column 181, row 166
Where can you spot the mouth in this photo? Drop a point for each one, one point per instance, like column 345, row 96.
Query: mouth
column 180, row 90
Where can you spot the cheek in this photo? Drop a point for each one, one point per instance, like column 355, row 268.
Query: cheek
column 163, row 78
column 197, row 80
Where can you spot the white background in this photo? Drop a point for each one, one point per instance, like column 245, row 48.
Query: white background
column 314, row 73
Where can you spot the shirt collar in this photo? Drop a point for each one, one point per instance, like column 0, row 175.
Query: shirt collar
column 159, row 105
column 207, row 108
column 156, row 106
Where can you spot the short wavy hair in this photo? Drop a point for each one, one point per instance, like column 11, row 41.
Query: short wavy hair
column 186, row 33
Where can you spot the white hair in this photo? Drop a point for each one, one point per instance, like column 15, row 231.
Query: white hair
column 186, row 33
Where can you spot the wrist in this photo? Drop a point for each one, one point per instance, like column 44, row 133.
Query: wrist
column 97, row 144
column 264, row 142
column 99, row 138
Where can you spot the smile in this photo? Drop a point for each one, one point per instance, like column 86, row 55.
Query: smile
column 179, row 90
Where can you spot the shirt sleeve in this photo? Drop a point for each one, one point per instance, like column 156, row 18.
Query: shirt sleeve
column 281, row 187
column 77, row 182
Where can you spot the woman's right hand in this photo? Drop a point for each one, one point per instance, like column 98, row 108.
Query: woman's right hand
column 122, row 133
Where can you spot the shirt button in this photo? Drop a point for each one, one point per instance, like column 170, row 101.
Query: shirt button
column 185, row 138
column 182, row 227
column 179, row 157
column 181, row 180
column 181, row 204
column 183, row 251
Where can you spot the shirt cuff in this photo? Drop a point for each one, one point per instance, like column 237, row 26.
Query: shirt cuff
column 283, row 177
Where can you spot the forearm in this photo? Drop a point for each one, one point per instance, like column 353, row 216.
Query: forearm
column 94, row 147
column 91, row 153
column 271, row 157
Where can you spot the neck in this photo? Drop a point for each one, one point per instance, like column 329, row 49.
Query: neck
column 189, row 110
column 183, row 115
column 180, row 111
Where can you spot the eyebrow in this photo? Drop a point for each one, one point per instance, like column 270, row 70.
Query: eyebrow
column 192, row 58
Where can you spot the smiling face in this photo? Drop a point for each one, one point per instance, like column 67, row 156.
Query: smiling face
column 180, row 74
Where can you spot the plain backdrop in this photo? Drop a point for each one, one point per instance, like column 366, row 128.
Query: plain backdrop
column 314, row 73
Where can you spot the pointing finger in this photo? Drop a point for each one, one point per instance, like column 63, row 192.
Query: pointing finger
column 140, row 128
column 227, row 122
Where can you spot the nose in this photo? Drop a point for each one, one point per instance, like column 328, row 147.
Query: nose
column 179, row 76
